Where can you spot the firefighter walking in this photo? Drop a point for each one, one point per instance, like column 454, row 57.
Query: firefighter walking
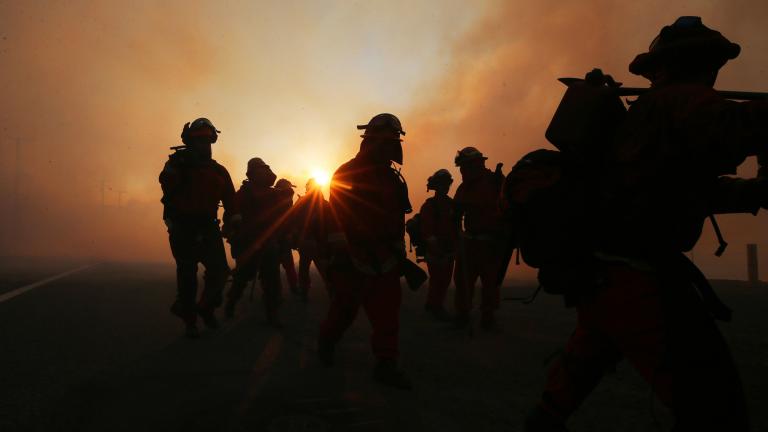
column 481, row 242
column 439, row 230
column 368, row 203
column 256, row 245
column 193, row 185
column 661, row 180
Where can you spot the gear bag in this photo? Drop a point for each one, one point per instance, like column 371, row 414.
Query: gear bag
column 413, row 228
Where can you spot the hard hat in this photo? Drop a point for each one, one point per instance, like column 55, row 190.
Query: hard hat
column 284, row 184
column 200, row 128
column 382, row 125
column 440, row 177
column 256, row 163
column 687, row 42
column 467, row 154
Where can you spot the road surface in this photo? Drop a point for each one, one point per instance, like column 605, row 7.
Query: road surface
column 97, row 350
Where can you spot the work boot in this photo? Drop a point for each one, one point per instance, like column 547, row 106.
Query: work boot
column 209, row 319
column 386, row 372
column 325, row 352
column 540, row 420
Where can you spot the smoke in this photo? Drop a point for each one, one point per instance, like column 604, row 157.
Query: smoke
column 502, row 88
column 95, row 92
column 82, row 83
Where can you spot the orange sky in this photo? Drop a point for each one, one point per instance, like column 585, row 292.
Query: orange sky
column 96, row 92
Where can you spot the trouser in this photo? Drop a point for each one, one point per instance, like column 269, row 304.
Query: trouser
column 440, row 272
column 478, row 259
column 663, row 330
column 308, row 252
column 286, row 260
column 380, row 296
column 264, row 264
column 192, row 244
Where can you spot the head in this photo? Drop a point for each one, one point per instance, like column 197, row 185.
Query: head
column 285, row 186
column 259, row 173
column 686, row 51
column 311, row 186
column 470, row 161
column 381, row 139
column 440, row 182
column 199, row 135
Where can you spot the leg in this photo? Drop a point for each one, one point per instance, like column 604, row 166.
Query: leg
column 290, row 270
column 269, row 275
column 305, row 260
column 381, row 301
column 464, row 277
column 668, row 336
column 491, row 285
column 184, row 252
column 574, row 375
column 344, row 307
column 216, row 271
column 245, row 272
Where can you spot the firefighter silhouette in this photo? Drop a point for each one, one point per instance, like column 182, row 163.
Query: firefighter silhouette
column 439, row 231
column 311, row 214
column 658, row 181
column 481, row 244
column 288, row 241
column 256, row 245
column 368, row 203
column 193, row 185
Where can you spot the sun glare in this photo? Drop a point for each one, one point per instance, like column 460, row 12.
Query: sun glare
column 321, row 176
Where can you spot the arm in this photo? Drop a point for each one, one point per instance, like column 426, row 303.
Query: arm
column 231, row 208
column 737, row 195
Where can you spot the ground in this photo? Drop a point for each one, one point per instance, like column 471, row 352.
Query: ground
column 98, row 350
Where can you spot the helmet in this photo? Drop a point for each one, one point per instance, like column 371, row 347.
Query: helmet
column 687, row 44
column 440, row 177
column 284, row 184
column 200, row 128
column 467, row 154
column 385, row 125
column 311, row 184
column 256, row 163
column 259, row 173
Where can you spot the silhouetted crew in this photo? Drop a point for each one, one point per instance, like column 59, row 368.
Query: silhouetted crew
column 481, row 243
column 256, row 246
column 439, row 231
column 288, row 240
column 661, row 181
column 368, row 202
column 311, row 212
column 193, row 185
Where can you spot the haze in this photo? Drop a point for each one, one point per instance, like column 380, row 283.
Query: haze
column 96, row 92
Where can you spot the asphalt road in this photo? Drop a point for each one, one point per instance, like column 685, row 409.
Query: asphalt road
column 98, row 350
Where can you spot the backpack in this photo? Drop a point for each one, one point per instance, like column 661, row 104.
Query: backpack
column 413, row 228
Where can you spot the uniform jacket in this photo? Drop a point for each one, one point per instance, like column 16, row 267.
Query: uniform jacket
column 438, row 222
column 662, row 173
column 192, row 189
column 477, row 200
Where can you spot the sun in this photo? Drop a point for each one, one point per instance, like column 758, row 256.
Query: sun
column 321, row 176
